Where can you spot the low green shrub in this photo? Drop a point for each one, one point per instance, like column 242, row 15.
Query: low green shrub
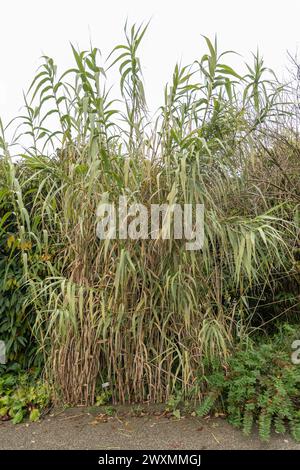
column 260, row 385
column 22, row 395
column 15, row 322
column 17, row 316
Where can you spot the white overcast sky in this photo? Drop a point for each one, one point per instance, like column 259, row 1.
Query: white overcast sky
column 31, row 28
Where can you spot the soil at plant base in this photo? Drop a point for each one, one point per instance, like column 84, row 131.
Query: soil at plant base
column 107, row 428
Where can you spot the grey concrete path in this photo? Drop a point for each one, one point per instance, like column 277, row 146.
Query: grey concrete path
column 83, row 428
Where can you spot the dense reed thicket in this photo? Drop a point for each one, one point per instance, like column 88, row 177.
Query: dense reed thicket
column 144, row 315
